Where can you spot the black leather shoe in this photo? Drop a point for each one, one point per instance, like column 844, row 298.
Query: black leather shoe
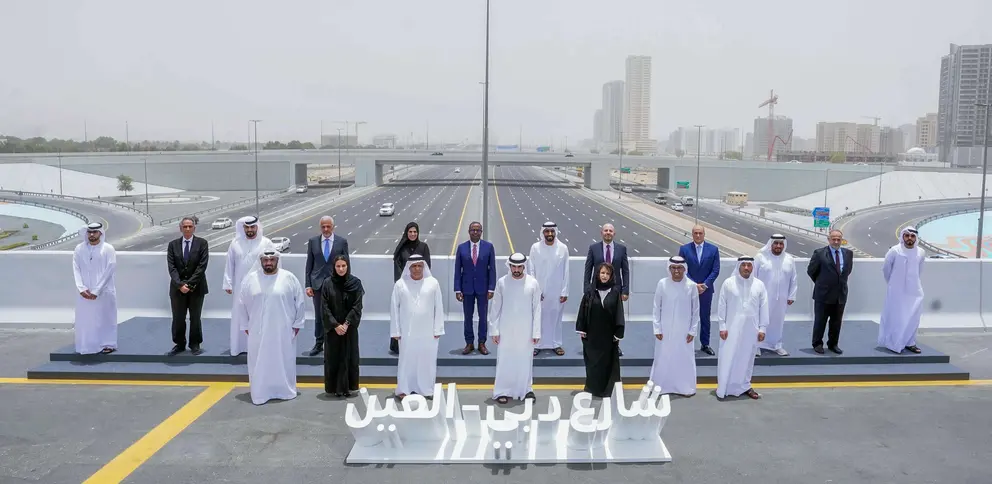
column 619, row 351
column 176, row 350
column 707, row 350
column 836, row 349
column 818, row 349
column 196, row 350
column 317, row 349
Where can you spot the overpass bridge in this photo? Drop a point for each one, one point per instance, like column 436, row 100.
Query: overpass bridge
column 369, row 171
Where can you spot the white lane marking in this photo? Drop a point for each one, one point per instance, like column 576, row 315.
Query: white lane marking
column 310, row 227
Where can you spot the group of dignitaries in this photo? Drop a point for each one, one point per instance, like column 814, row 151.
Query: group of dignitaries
column 521, row 312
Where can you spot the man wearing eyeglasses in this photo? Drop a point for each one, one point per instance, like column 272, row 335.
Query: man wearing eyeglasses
column 475, row 283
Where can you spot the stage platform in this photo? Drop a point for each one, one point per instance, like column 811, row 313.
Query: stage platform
column 145, row 342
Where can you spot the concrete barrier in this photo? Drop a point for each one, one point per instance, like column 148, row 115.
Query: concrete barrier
column 40, row 290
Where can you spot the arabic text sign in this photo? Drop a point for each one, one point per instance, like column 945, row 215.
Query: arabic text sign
column 821, row 217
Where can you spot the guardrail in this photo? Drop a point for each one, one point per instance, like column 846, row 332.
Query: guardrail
column 843, row 218
column 50, row 243
column 772, row 221
column 224, row 207
column 80, row 199
column 931, row 218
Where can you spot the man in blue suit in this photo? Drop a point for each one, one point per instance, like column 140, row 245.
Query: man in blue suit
column 475, row 282
column 703, row 259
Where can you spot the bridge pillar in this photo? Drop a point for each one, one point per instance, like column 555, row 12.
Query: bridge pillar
column 367, row 173
column 597, row 176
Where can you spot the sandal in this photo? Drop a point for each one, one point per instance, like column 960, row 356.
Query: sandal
column 914, row 349
column 560, row 351
column 536, row 352
column 502, row 400
column 107, row 351
column 752, row 394
column 531, row 396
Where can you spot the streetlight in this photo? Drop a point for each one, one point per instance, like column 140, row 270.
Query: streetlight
column 255, row 123
column 60, row 173
column 148, row 209
column 699, row 137
column 485, row 132
column 339, row 161
column 985, row 171
column 620, row 152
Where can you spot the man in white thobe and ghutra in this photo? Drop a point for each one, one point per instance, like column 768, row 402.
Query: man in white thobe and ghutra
column 742, row 311
column 903, row 295
column 242, row 258
column 94, row 264
column 271, row 307
column 676, row 319
column 416, row 321
column 777, row 270
column 515, row 327
column 548, row 263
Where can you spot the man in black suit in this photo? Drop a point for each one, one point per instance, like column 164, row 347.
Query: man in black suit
column 187, row 258
column 608, row 251
column 829, row 267
column 321, row 251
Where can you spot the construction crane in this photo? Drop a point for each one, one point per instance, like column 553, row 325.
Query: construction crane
column 876, row 118
column 770, row 102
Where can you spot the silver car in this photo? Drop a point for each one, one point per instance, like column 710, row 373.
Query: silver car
column 387, row 210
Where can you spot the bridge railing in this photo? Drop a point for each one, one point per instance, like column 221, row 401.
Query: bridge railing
column 46, row 294
column 226, row 206
column 78, row 199
column 49, row 243
column 931, row 247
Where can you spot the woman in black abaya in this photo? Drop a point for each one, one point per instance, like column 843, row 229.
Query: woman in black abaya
column 409, row 244
column 341, row 295
column 600, row 324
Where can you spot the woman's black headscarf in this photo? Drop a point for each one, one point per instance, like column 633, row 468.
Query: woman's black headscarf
column 347, row 282
column 600, row 285
column 405, row 242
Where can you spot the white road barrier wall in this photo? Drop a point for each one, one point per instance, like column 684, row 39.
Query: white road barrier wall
column 39, row 288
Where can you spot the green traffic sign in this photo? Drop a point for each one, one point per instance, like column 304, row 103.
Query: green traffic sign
column 821, row 223
column 625, row 169
column 682, row 184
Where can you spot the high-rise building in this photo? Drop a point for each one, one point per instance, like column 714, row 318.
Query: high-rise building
column 749, row 145
column 908, row 136
column 637, row 105
column 965, row 75
column 612, row 121
column 783, row 131
column 926, row 131
column 597, row 127
column 890, row 141
column 847, row 137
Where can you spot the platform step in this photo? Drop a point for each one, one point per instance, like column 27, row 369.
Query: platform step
column 484, row 375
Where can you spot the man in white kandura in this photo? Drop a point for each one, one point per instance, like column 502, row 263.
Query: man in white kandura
column 94, row 263
column 416, row 320
column 777, row 270
column 271, row 307
column 676, row 315
column 904, row 294
column 242, row 258
column 743, row 314
column 515, row 327
column 548, row 263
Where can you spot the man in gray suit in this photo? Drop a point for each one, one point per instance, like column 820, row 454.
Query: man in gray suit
column 321, row 250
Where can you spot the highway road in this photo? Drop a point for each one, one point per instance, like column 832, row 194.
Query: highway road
column 119, row 223
column 876, row 231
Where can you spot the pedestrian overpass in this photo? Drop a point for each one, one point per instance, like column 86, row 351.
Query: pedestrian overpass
column 369, row 171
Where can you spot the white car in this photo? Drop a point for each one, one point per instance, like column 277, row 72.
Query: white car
column 458, row 170
column 281, row 243
column 301, row 189
column 677, row 207
column 628, row 190
column 222, row 223
column 387, row 210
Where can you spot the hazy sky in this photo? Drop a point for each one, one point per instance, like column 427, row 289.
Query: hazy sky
column 170, row 68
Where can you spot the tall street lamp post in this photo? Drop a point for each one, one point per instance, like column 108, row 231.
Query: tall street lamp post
column 485, row 132
column 985, row 174
column 699, row 137
column 339, row 161
column 147, row 203
column 255, row 123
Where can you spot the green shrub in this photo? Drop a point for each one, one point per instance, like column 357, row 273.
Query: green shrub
column 25, row 226
column 13, row 246
column 34, row 237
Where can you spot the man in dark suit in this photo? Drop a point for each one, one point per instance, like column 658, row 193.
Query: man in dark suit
column 475, row 282
column 703, row 259
column 187, row 258
column 829, row 268
column 608, row 251
column 321, row 251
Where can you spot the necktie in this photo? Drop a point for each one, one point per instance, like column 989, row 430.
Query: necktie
column 327, row 249
column 699, row 253
column 475, row 254
column 837, row 259
column 186, row 251
column 609, row 254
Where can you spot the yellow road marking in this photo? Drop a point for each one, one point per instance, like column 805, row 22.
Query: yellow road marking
column 461, row 218
column 138, row 453
column 389, row 386
column 499, row 206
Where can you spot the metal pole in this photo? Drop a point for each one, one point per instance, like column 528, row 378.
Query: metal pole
column 985, row 174
column 880, row 166
column 699, row 138
column 60, row 173
column 485, row 132
column 620, row 152
column 127, row 138
column 147, row 205
column 255, row 122
column 427, row 136
column 339, row 161
column 826, row 186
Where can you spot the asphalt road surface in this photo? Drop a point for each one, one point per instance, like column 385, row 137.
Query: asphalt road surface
column 876, row 231
column 118, row 223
